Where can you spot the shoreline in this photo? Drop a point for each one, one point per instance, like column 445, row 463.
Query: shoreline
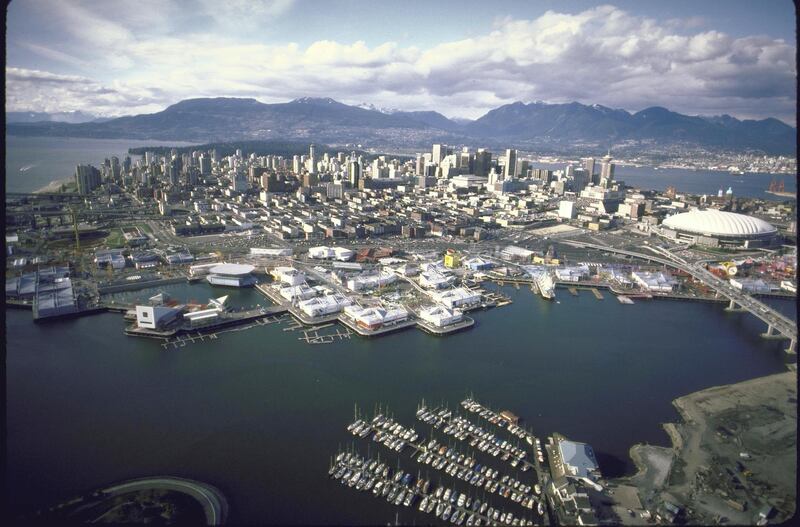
column 710, row 428
column 54, row 186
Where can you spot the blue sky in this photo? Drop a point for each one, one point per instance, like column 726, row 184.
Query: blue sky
column 460, row 58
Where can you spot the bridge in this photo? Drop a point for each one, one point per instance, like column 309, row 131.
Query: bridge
column 778, row 325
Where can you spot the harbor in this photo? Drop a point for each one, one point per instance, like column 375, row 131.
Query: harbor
column 498, row 496
column 277, row 380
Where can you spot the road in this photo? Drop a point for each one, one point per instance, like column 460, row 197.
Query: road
column 212, row 500
column 768, row 315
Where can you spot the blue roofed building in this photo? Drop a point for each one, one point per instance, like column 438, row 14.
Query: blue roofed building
column 578, row 460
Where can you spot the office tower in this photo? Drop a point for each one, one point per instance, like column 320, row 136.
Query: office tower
column 87, row 177
column 522, row 167
column 588, row 165
column 148, row 158
column 438, row 153
column 511, row 164
column 420, row 165
column 126, row 164
column 463, row 160
column 296, row 164
column 482, row 163
column 214, row 155
column 580, row 179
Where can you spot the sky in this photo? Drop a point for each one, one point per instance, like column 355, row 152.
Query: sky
column 462, row 59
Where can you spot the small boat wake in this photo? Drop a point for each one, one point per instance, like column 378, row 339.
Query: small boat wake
column 26, row 168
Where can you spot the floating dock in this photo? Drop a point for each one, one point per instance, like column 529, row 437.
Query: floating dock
column 463, row 324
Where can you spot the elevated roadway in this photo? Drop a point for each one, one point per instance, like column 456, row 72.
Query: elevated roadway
column 778, row 325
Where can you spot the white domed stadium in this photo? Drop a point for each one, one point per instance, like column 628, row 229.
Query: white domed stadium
column 716, row 228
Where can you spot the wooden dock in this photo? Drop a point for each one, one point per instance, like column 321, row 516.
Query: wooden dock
column 572, row 291
column 597, row 294
column 312, row 336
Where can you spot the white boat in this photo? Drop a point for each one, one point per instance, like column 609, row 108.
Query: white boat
column 547, row 287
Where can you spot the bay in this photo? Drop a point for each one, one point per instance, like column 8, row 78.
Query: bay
column 259, row 413
column 48, row 159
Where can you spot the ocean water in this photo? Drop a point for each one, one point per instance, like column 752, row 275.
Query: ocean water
column 258, row 413
column 47, row 159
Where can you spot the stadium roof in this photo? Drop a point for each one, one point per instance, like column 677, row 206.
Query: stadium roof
column 718, row 223
column 232, row 269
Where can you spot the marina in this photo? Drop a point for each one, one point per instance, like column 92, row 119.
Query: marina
column 521, row 493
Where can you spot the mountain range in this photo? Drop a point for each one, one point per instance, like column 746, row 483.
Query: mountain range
column 518, row 124
column 76, row 116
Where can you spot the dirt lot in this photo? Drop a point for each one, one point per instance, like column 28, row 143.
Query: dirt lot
column 734, row 453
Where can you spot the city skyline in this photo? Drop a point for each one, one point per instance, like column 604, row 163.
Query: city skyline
column 111, row 59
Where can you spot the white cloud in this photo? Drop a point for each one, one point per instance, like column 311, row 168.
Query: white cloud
column 602, row 55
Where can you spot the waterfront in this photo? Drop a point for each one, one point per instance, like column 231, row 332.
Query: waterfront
column 697, row 181
column 257, row 412
column 54, row 158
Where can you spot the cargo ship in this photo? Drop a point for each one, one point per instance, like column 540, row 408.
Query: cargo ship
column 547, row 287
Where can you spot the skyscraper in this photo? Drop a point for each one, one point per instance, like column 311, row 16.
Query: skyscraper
column 510, row 169
column 312, row 159
column 353, row 171
column 205, row 165
column 438, row 153
column 482, row 163
column 588, row 165
column 607, row 168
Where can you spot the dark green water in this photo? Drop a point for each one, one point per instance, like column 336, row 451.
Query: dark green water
column 258, row 413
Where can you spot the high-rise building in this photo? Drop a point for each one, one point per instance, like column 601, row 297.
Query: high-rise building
column 438, row 153
column 353, row 171
column 173, row 171
column 312, row 159
column 87, row 178
column 588, row 165
column 580, row 179
column 205, row 165
column 463, row 160
column 420, row 165
column 607, row 168
column 482, row 163
column 296, row 164
column 510, row 169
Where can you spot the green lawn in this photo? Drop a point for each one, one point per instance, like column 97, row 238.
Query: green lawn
column 115, row 239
